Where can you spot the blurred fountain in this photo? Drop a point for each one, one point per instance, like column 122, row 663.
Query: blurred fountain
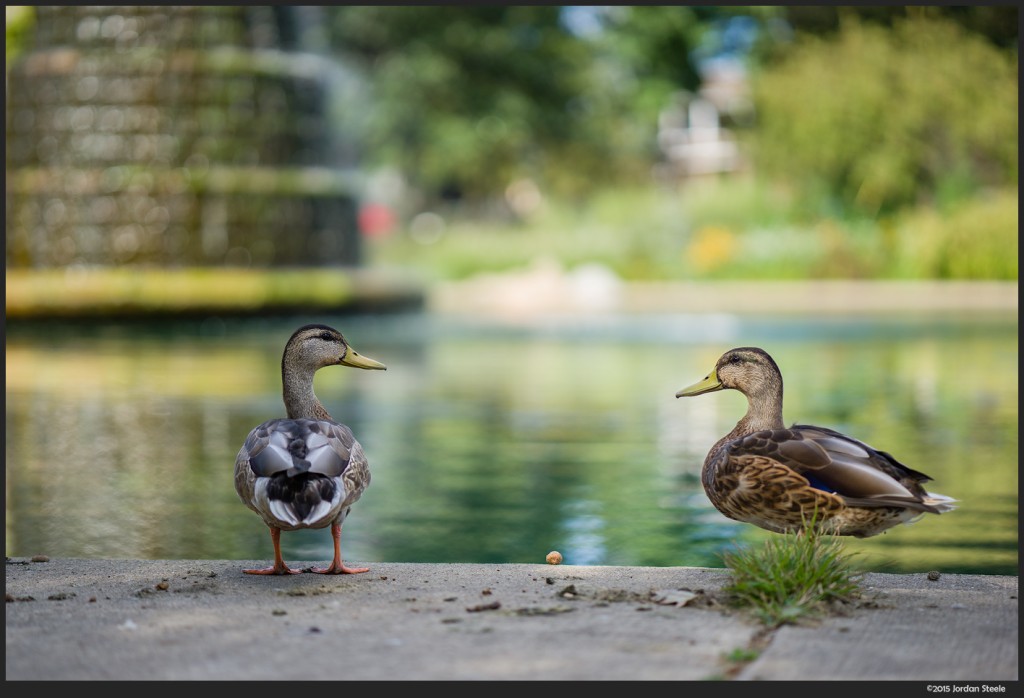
column 167, row 136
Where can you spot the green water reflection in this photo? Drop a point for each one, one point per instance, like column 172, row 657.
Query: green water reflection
column 497, row 444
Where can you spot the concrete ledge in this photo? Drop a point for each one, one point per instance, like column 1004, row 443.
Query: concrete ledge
column 72, row 619
column 124, row 292
column 825, row 296
column 549, row 290
column 535, row 292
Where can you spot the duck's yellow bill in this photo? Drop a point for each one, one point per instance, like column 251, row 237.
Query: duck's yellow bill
column 709, row 385
column 354, row 358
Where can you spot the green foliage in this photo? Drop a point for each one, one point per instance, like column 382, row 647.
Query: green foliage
column 791, row 577
column 997, row 23
column 876, row 120
column 874, row 143
column 651, row 45
column 729, row 229
column 637, row 233
column 913, row 105
column 467, row 99
column 20, row 22
column 977, row 239
column 464, row 97
column 909, row 112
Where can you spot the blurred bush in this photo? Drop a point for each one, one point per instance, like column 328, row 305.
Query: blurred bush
column 975, row 240
column 20, row 21
column 877, row 119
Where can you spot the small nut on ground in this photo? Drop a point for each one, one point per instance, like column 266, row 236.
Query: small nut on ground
column 554, row 558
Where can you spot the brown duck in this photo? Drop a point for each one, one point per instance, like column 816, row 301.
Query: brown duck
column 779, row 477
column 308, row 470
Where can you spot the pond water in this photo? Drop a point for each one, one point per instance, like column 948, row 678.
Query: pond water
column 494, row 443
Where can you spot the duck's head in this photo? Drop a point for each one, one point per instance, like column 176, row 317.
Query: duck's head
column 749, row 370
column 316, row 346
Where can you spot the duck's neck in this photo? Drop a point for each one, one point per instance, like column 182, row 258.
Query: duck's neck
column 764, row 411
column 299, row 400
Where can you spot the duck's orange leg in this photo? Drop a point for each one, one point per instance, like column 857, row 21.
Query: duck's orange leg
column 279, row 567
column 337, row 566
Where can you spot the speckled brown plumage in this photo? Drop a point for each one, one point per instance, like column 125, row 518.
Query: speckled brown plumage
column 305, row 471
column 781, row 478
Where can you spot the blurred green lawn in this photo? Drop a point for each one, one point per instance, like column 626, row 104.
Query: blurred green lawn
column 736, row 228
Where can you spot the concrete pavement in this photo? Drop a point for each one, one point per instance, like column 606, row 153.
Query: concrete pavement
column 74, row 619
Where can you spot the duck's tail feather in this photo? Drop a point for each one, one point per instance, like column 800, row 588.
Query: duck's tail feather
column 940, row 502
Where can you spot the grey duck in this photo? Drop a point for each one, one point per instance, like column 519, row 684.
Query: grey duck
column 305, row 471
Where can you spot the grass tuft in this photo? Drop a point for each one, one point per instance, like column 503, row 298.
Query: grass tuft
column 792, row 577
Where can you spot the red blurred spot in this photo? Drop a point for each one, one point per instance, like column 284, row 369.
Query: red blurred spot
column 376, row 219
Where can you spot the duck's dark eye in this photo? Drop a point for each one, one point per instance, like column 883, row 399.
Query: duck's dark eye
column 735, row 359
column 326, row 336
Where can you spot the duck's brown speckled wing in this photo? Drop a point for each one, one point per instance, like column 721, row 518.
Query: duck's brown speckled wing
column 760, row 490
column 831, row 462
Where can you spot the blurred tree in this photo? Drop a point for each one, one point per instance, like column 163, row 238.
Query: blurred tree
column 466, row 99
column 878, row 119
column 997, row 23
column 655, row 43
